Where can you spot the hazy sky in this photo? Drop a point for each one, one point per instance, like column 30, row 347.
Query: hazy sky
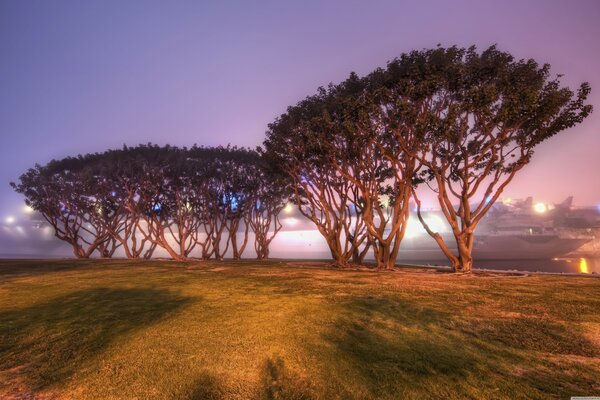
column 84, row 76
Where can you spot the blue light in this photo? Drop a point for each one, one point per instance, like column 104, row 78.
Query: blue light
column 232, row 201
column 157, row 207
column 488, row 199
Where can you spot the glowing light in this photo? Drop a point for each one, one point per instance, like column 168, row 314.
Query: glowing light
column 291, row 221
column 9, row 220
column 583, row 267
column 435, row 223
column 288, row 208
column 413, row 228
column 27, row 210
column 506, row 201
column 540, row 208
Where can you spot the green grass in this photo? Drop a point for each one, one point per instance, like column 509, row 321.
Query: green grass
column 248, row 330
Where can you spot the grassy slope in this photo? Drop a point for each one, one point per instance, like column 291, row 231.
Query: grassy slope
column 247, row 330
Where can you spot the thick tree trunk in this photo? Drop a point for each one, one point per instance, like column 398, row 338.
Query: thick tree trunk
column 385, row 257
column 337, row 255
column 464, row 261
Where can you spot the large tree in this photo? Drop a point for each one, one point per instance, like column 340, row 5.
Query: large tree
column 299, row 142
column 360, row 126
column 64, row 194
column 477, row 118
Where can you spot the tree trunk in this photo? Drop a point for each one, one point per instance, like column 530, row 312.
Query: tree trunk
column 464, row 261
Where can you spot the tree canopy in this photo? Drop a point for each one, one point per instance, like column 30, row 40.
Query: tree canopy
column 142, row 197
column 459, row 121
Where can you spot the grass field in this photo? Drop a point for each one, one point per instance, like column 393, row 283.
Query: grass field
column 268, row 330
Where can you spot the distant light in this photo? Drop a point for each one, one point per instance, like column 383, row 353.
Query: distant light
column 506, row 201
column 488, row 199
column 435, row 223
column 288, row 208
column 47, row 230
column 540, row 208
column 291, row 221
column 27, row 210
column 413, row 228
column 583, row 267
column 10, row 220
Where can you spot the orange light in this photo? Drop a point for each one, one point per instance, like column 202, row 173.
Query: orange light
column 583, row 267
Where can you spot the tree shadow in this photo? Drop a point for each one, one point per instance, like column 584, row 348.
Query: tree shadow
column 15, row 269
column 46, row 343
column 397, row 348
column 532, row 334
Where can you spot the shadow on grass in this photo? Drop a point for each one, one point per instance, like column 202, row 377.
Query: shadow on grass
column 396, row 345
column 278, row 382
column 398, row 349
column 533, row 334
column 206, row 387
column 14, row 269
column 46, row 343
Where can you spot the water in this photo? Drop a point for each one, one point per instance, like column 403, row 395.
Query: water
column 557, row 265
column 566, row 265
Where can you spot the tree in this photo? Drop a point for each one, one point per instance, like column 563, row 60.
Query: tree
column 298, row 142
column 477, row 118
column 270, row 192
column 122, row 170
column 65, row 197
column 360, row 124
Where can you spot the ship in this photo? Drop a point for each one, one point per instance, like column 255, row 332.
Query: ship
column 512, row 230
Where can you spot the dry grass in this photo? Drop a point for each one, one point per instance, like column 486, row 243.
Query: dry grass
column 247, row 330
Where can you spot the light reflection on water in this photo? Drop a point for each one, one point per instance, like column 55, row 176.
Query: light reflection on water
column 570, row 265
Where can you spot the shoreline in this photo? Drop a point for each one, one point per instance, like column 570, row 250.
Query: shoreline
column 316, row 263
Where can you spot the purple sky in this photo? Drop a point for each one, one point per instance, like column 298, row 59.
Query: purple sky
column 84, row 76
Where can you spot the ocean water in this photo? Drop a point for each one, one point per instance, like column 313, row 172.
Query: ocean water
column 564, row 265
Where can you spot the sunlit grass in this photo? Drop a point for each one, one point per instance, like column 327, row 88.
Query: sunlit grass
column 249, row 330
